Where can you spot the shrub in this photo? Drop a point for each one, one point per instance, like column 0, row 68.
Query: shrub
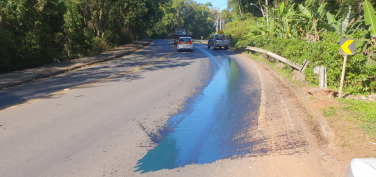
column 98, row 45
column 359, row 78
column 242, row 43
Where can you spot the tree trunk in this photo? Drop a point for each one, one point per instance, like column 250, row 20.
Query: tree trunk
column 216, row 30
column 240, row 10
column 317, row 37
column 99, row 23
column 267, row 12
column 220, row 22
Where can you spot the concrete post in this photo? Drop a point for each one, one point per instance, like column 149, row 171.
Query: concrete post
column 322, row 77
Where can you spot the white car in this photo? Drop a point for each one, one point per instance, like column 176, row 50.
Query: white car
column 185, row 43
column 362, row 168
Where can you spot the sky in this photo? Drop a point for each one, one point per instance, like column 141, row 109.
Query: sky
column 216, row 3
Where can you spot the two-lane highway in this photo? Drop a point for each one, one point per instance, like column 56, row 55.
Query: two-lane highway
column 156, row 112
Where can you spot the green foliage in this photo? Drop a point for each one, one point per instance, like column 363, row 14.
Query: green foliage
column 364, row 113
column 237, row 30
column 242, row 43
column 330, row 111
column 38, row 32
column 193, row 16
column 30, row 33
column 339, row 26
column 310, row 31
column 260, row 41
column 326, row 52
column 369, row 16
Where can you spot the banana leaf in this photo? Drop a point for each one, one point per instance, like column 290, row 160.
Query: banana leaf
column 369, row 16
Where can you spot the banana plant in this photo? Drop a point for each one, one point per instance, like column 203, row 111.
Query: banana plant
column 370, row 19
column 260, row 28
column 313, row 22
column 339, row 26
column 287, row 19
column 369, row 16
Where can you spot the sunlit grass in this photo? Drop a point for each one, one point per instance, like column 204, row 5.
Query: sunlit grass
column 364, row 113
column 330, row 111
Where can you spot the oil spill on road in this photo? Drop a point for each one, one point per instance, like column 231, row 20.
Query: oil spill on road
column 213, row 126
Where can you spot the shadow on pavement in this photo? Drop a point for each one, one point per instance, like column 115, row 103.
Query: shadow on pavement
column 39, row 89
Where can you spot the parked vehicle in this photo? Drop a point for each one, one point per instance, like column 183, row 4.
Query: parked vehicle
column 180, row 32
column 185, row 43
column 218, row 40
column 362, row 167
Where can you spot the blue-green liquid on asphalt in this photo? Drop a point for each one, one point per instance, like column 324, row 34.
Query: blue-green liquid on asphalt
column 206, row 130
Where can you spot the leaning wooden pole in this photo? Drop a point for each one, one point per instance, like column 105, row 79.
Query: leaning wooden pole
column 284, row 60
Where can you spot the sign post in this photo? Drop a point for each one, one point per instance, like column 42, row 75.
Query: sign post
column 347, row 47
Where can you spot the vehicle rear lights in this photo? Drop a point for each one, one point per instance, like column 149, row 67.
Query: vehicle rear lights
column 190, row 42
column 179, row 42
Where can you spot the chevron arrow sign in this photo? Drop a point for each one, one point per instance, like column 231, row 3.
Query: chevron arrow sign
column 347, row 46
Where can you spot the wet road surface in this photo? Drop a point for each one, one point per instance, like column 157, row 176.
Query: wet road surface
column 201, row 113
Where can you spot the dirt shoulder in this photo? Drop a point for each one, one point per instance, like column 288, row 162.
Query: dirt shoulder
column 350, row 139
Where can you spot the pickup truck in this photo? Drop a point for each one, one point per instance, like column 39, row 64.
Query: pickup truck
column 180, row 32
column 218, row 40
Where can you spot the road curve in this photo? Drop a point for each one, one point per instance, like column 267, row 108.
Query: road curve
column 103, row 120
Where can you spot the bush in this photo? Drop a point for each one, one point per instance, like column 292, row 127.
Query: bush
column 358, row 78
column 98, row 45
column 260, row 41
column 242, row 43
column 8, row 52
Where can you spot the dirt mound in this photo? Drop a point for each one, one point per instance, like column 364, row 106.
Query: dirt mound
column 298, row 76
column 323, row 92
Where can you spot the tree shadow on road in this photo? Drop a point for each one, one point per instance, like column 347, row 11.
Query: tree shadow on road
column 116, row 69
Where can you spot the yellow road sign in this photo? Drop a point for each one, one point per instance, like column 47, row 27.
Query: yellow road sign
column 347, row 46
column 202, row 37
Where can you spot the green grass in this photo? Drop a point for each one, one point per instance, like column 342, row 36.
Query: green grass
column 330, row 111
column 364, row 113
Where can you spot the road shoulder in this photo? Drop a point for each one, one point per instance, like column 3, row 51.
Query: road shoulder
column 346, row 140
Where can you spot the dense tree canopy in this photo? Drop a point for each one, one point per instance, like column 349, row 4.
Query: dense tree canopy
column 38, row 32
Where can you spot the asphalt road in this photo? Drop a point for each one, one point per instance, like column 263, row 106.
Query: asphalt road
column 156, row 112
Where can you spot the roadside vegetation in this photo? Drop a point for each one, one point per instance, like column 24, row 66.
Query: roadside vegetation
column 311, row 29
column 39, row 32
column 357, row 111
column 363, row 113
